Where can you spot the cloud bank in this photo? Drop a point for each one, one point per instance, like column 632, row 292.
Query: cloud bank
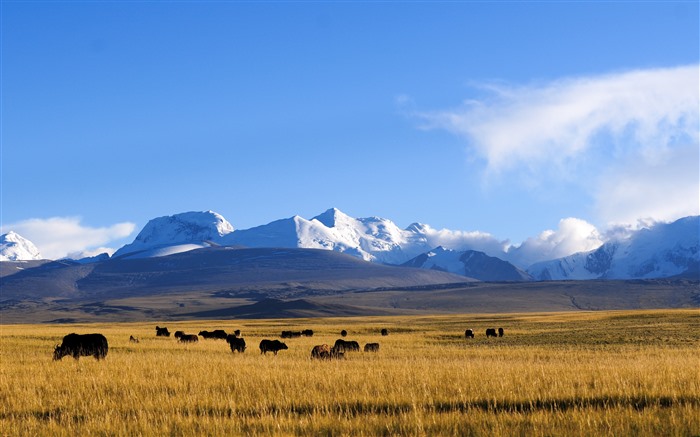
column 57, row 237
column 573, row 235
column 627, row 138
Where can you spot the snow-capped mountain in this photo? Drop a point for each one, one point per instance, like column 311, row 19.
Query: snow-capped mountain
column 14, row 247
column 168, row 235
column 469, row 263
column 372, row 239
column 661, row 251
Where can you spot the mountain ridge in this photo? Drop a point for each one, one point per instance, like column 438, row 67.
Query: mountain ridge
column 644, row 254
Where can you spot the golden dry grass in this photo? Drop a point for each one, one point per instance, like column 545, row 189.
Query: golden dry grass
column 601, row 373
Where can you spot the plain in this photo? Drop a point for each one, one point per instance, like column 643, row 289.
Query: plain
column 575, row 373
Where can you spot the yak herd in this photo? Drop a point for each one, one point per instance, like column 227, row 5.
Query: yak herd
column 77, row 345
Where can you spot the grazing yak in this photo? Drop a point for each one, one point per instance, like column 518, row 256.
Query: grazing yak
column 346, row 346
column 290, row 334
column 237, row 344
column 325, row 352
column 178, row 334
column 273, row 346
column 469, row 333
column 307, row 333
column 188, row 338
column 491, row 332
column 372, row 347
column 385, row 331
column 162, row 332
column 219, row 334
column 500, row 332
column 133, row 339
column 322, row 352
column 85, row 345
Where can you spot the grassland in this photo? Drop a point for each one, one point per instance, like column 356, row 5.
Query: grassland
column 586, row 373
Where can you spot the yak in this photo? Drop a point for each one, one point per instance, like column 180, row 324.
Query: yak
column 290, row 334
column 273, row 346
column 237, row 344
column 178, row 334
column 162, row 332
column 500, row 332
column 372, row 347
column 217, row 334
column 469, row 333
column 385, row 331
column 343, row 333
column 188, row 338
column 491, row 332
column 85, row 345
column 322, row 352
column 343, row 346
column 307, row 333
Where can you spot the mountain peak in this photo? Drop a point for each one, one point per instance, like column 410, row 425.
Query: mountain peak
column 194, row 227
column 14, row 247
column 332, row 217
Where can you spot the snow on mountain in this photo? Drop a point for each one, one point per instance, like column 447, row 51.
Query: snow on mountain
column 14, row 247
column 660, row 251
column 188, row 230
column 469, row 263
column 372, row 239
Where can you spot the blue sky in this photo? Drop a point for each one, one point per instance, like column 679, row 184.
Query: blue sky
column 501, row 117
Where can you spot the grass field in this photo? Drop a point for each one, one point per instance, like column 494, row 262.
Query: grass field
column 587, row 373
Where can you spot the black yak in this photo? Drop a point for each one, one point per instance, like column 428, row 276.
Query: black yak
column 500, row 332
column 469, row 333
column 491, row 332
column 372, row 347
column 346, row 346
column 237, row 344
column 385, row 331
column 189, row 338
column 219, row 334
column 85, row 345
column 273, row 346
column 162, row 332
column 290, row 334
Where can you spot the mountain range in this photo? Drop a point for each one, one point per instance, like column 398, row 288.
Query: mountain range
column 196, row 265
column 663, row 250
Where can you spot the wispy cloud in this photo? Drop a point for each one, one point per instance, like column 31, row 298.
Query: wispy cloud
column 56, row 237
column 628, row 129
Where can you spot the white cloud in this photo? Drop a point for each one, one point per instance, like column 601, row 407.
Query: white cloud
column 573, row 235
column 464, row 240
column 56, row 237
column 662, row 189
column 625, row 138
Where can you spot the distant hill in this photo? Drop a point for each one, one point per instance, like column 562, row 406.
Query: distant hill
column 263, row 271
column 469, row 263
